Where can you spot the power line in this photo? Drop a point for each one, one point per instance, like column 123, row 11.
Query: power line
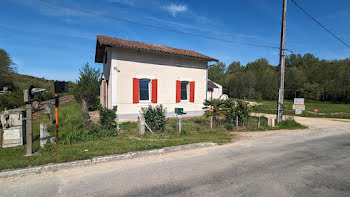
column 317, row 22
column 151, row 26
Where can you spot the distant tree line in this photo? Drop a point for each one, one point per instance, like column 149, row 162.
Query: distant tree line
column 306, row 76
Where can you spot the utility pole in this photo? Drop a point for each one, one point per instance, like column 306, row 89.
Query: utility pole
column 282, row 64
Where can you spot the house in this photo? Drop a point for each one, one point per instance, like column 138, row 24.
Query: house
column 214, row 90
column 137, row 74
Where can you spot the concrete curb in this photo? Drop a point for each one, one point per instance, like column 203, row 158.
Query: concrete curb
column 94, row 160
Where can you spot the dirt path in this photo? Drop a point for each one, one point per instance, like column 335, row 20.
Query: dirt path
column 311, row 123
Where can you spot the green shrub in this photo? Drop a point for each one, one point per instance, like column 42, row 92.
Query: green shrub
column 11, row 100
column 234, row 109
column 229, row 127
column 230, row 110
column 108, row 117
column 154, row 117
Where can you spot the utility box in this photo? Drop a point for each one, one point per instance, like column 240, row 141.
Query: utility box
column 14, row 128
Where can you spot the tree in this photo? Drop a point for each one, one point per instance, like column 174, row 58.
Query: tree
column 6, row 67
column 88, row 86
column 6, row 63
column 234, row 67
column 216, row 72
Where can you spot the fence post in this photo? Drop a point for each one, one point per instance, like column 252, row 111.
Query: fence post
column 141, row 125
column 180, row 123
column 259, row 122
column 236, row 121
column 211, row 122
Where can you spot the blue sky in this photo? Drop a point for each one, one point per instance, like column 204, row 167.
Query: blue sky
column 54, row 43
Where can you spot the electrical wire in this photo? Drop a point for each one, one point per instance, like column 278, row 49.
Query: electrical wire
column 317, row 22
column 53, row 4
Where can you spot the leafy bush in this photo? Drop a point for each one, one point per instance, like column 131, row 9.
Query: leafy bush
column 154, row 117
column 229, row 127
column 88, row 86
column 108, row 117
column 230, row 110
column 11, row 100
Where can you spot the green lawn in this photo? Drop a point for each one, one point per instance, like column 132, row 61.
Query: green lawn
column 78, row 143
column 325, row 109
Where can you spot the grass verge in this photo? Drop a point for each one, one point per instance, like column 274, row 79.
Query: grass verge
column 325, row 109
column 78, row 142
column 128, row 140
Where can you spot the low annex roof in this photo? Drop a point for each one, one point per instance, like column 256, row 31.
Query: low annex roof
column 103, row 41
column 211, row 85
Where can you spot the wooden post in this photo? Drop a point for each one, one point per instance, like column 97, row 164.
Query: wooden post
column 180, row 123
column 29, row 130
column 259, row 122
column 236, row 121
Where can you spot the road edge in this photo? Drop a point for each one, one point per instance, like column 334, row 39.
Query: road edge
column 100, row 159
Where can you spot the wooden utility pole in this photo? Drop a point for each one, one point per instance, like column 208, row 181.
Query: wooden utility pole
column 282, row 64
column 29, row 129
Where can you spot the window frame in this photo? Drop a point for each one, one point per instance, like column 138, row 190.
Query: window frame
column 187, row 91
column 149, row 90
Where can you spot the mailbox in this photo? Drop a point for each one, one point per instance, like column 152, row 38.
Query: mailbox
column 13, row 125
column 179, row 111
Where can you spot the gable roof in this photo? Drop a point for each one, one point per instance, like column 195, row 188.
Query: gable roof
column 103, row 41
column 211, row 85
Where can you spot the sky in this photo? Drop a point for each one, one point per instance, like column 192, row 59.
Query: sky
column 54, row 43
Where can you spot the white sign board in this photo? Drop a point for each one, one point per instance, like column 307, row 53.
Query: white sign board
column 299, row 101
column 299, row 105
column 12, row 136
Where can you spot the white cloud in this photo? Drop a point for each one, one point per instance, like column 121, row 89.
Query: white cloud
column 173, row 9
column 125, row 2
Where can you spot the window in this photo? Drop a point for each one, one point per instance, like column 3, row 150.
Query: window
column 184, row 90
column 144, row 90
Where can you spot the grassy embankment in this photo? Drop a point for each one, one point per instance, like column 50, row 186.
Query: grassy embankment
column 92, row 144
column 21, row 82
column 325, row 109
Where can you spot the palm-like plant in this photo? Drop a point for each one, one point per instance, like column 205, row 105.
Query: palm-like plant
column 214, row 108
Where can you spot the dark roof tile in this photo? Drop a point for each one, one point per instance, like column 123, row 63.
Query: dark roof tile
column 103, row 41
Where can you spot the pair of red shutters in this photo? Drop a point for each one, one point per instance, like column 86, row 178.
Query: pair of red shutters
column 136, row 91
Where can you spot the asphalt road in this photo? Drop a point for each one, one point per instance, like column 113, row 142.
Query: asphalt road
column 312, row 162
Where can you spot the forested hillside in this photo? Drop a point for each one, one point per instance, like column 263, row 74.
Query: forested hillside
column 306, row 76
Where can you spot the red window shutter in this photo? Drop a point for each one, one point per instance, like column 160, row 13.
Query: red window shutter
column 178, row 91
column 192, row 91
column 154, row 90
column 136, row 90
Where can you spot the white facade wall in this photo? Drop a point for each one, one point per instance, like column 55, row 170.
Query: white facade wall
column 217, row 92
column 126, row 64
